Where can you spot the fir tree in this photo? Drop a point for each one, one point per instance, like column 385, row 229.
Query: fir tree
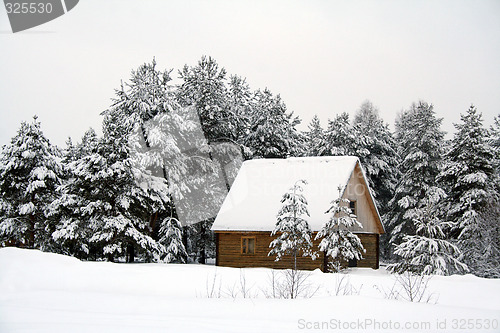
column 143, row 105
column 420, row 142
column 494, row 141
column 292, row 230
column 428, row 252
column 168, row 147
column 171, row 240
column 344, row 140
column 102, row 207
column 380, row 164
column 338, row 242
column 240, row 103
column 30, row 171
column 204, row 87
column 315, row 140
column 469, row 174
column 273, row 132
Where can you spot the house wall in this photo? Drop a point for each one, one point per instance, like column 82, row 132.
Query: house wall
column 228, row 246
column 357, row 190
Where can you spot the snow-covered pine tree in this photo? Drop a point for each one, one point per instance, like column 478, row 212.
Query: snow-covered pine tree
column 381, row 163
column 240, row 103
column 428, row 252
column 371, row 141
column 315, row 140
column 30, row 171
column 494, row 141
column 173, row 249
column 344, row 140
column 163, row 140
column 338, row 242
column 292, row 229
column 469, row 175
column 273, row 132
column 204, row 87
column 102, row 208
column 420, row 143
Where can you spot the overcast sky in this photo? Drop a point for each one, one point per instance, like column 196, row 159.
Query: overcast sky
column 323, row 57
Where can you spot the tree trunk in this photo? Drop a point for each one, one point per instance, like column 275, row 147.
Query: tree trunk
column 31, row 232
column 202, row 259
column 130, row 252
column 152, row 224
column 185, row 238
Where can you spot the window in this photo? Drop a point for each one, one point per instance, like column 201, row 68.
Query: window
column 352, row 207
column 248, row 245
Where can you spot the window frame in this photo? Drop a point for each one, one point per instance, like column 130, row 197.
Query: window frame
column 354, row 210
column 246, row 238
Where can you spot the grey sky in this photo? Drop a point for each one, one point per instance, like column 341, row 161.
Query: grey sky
column 323, row 57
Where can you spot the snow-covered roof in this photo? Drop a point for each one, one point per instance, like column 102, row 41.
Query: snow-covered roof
column 255, row 197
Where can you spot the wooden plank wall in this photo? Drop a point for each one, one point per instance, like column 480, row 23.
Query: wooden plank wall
column 229, row 252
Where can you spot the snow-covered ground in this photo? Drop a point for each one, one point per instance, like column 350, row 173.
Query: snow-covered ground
column 43, row 292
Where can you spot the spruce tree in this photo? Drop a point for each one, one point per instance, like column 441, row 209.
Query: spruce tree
column 240, row 103
column 147, row 105
column 344, row 140
column 494, row 141
column 30, row 172
column 103, row 210
column 420, row 146
column 380, row 164
column 272, row 132
column 173, row 250
column 315, row 139
column 338, row 242
column 292, row 229
column 428, row 252
column 204, row 87
column 469, row 175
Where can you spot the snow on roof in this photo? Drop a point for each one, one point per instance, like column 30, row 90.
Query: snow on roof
column 255, row 197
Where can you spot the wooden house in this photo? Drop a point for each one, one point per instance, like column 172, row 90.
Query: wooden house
column 248, row 215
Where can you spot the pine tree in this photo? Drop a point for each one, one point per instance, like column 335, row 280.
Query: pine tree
column 494, row 141
column 315, row 140
column 344, row 140
column 168, row 147
column 30, row 171
column 273, row 132
column 469, row 174
column 103, row 210
column 369, row 139
column 171, row 239
column 337, row 240
column 420, row 143
column 292, row 230
column 428, row 252
column 380, row 164
column 240, row 103
column 204, row 87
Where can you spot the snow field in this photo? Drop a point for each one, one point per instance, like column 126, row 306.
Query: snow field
column 43, row 292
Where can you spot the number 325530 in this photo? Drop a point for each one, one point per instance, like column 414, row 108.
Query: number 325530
column 28, row 7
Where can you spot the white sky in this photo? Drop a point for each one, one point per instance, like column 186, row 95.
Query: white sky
column 323, row 57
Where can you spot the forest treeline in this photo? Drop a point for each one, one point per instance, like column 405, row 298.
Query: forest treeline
column 114, row 197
